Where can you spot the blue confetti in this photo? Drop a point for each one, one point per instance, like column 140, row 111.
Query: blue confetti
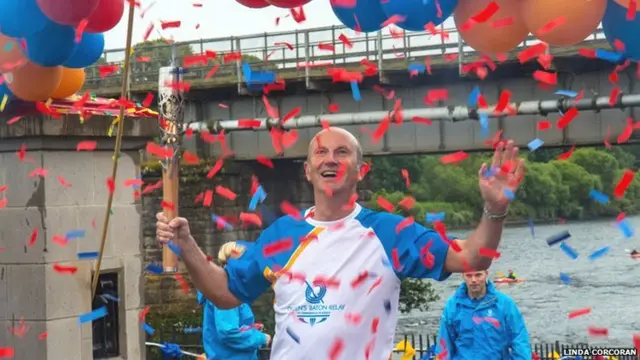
column 75, row 234
column 258, row 197
column 625, row 228
column 567, row 93
column 94, row 315
column 172, row 350
column 387, row 306
column 568, row 250
column 110, row 297
column 533, row 230
column 88, row 255
column 419, row 68
column 484, row 124
column 154, row 268
column 490, row 172
column 509, row 194
column 355, row 90
column 431, row 217
column 192, row 330
column 535, row 144
column 175, row 248
column 565, row 278
column 473, row 97
column 598, row 196
column 295, row 337
column 609, row 56
column 223, row 222
column 552, row 240
column 148, row 329
column 598, row 253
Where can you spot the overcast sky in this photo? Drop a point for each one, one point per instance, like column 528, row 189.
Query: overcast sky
column 217, row 18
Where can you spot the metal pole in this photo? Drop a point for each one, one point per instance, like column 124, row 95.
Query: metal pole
column 448, row 113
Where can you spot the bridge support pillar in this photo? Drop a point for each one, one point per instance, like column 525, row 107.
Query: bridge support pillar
column 55, row 207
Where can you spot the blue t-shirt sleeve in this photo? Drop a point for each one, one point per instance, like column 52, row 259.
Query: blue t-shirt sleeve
column 422, row 253
column 246, row 277
column 405, row 246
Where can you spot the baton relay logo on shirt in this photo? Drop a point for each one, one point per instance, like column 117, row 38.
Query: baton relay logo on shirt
column 315, row 311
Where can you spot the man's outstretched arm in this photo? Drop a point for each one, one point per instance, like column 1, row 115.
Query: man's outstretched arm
column 240, row 281
column 497, row 184
column 209, row 278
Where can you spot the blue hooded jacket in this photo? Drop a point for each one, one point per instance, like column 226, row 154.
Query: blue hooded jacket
column 468, row 335
column 221, row 334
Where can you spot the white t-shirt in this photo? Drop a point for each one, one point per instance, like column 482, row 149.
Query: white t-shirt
column 334, row 280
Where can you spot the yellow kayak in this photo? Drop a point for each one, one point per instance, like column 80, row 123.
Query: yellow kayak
column 506, row 280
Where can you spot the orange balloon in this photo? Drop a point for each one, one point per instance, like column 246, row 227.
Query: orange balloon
column 72, row 81
column 562, row 22
column 11, row 57
column 502, row 32
column 33, row 82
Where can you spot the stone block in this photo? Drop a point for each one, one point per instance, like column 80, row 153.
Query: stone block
column 132, row 282
column 58, row 222
column 26, row 291
column 125, row 230
column 16, row 226
column 24, row 191
column 76, row 172
column 4, row 294
column 64, row 340
column 135, row 336
column 25, row 338
column 127, row 169
column 58, row 287
column 90, row 219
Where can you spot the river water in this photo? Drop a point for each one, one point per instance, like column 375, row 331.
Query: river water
column 610, row 285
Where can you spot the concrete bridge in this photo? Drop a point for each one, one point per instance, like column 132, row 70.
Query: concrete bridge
column 224, row 95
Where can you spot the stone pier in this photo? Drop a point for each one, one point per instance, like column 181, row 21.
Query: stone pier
column 61, row 194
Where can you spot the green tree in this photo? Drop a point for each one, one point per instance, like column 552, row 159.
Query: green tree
column 416, row 294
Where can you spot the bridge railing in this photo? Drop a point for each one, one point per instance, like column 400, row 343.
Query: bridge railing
column 296, row 54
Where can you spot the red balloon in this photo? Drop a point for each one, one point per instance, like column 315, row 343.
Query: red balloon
column 106, row 16
column 287, row 4
column 67, row 12
column 254, row 4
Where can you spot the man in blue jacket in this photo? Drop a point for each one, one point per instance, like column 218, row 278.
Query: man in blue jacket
column 480, row 323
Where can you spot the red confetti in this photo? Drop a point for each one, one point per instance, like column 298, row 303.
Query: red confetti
column 454, row 158
column 65, row 269
column 580, row 312
column 87, row 145
column 336, row 349
column 33, row 237
column 623, row 184
column 544, row 125
column 404, row 223
column 184, row 285
column 6, row 353
column 385, row 204
column 490, row 253
column 598, row 331
column 111, row 186
column 225, row 193
column 277, row 247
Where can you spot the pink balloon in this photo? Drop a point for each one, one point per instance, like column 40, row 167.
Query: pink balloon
column 106, row 16
column 254, row 4
column 288, row 4
column 67, row 12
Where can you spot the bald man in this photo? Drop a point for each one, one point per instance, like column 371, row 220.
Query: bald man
column 336, row 268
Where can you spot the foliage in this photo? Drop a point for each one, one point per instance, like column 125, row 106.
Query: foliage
column 551, row 188
column 160, row 51
column 416, row 294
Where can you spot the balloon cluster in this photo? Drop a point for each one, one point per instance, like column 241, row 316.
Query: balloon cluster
column 286, row 4
column 46, row 44
column 492, row 29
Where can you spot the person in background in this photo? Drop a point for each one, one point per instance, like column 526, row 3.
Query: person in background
column 230, row 334
column 481, row 323
column 512, row 275
column 634, row 252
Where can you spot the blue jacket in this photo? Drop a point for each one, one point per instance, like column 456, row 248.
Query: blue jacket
column 221, row 334
column 469, row 339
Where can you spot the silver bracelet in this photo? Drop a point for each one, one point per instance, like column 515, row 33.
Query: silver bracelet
column 486, row 213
